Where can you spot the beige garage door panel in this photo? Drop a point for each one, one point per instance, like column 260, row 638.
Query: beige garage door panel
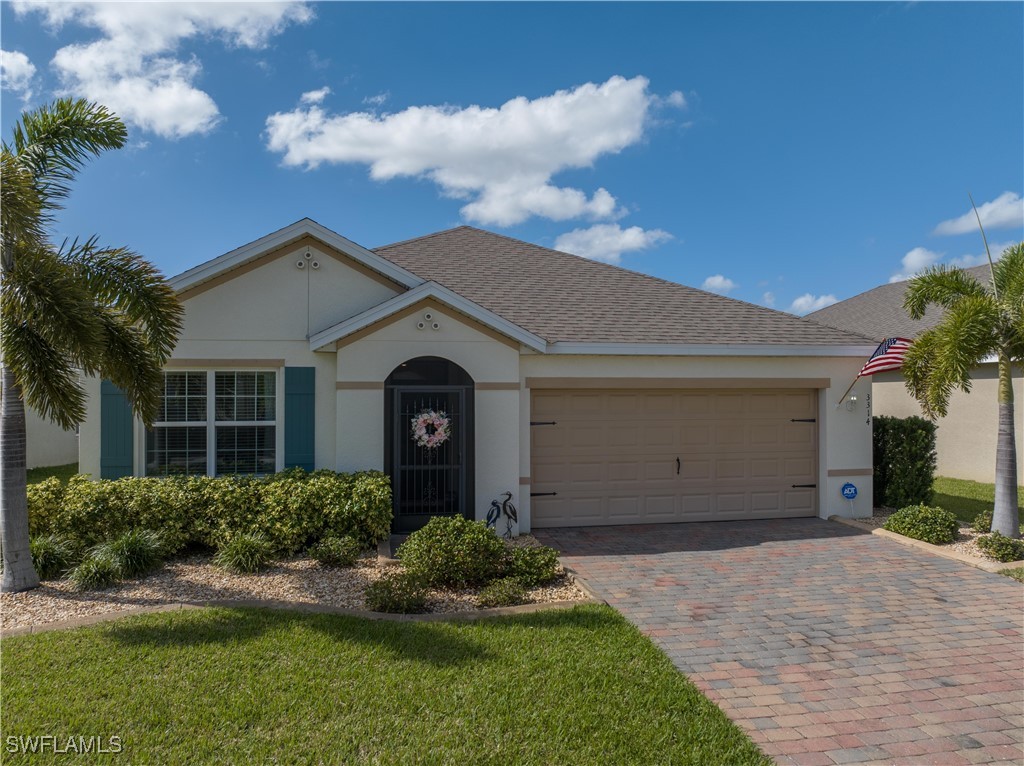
column 611, row 457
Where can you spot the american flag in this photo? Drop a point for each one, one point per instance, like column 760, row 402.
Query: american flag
column 888, row 356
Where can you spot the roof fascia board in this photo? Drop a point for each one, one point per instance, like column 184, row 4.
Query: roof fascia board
column 708, row 349
column 240, row 256
column 426, row 290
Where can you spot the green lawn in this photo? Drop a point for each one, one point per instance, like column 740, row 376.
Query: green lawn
column 968, row 498
column 62, row 472
column 580, row 686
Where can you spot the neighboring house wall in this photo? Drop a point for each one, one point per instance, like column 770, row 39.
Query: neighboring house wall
column 966, row 437
column 47, row 443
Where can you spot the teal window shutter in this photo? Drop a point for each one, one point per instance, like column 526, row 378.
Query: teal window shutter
column 299, row 417
column 116, row 433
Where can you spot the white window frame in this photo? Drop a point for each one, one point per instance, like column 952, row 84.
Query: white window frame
column 211, row 423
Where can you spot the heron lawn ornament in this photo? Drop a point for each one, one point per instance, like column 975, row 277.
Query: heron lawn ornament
column 506, row 509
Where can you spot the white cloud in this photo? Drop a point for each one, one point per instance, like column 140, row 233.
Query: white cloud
column 768, row 299
column 379, row 100
column 16, row 73
column 807, row 303
column 1005, row 211
column 133, row 67
column 500, row 160
column 608, row 241
column 315, row 96
column 966, row 261
column 718, row 284
column 914, row 262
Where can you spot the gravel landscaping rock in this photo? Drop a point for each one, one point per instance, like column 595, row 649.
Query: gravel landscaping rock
column 194, row 579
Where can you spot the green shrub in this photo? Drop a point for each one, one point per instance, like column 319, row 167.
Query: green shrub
column 337, row 551
column 1002, row 548
column 982, row 522
column 905, row 460
column 507, row 591
column 96, row 570
column 453, row 551
column 44, row 503
column 134, row 553
column 53, row 555
column 531, row 565
column 397, row 592
column 244, row 554
column 289, row 509
column 922, row 522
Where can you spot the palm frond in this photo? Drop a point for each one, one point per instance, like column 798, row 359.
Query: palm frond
column 42, row 292
column 54, row 141
column 922, row 377
column 20, row 207
column 123, row 280
column 942, row 286
column 130, row 364
column 49, row 382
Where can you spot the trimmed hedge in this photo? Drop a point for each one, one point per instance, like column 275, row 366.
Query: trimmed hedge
column 289, row 510
column 453, row 551
column 905, row 460
column 1002, row 548
column 922, row 522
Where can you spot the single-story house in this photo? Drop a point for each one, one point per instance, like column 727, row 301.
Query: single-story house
column 593, row 394
column 966, row 437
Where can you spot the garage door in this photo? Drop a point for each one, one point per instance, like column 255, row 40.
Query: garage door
column 634, row 457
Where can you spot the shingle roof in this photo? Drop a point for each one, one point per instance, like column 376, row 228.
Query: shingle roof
column 563, row 297
column 879, row 313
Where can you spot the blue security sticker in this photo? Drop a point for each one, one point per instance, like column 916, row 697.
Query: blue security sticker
column 849, row 491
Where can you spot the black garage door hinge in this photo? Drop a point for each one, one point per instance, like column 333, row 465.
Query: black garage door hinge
column 803, row 420
column 804, row 485
column 543, row 423
column 542, row 494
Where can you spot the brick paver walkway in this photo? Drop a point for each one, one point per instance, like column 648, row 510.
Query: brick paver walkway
column 828, row 645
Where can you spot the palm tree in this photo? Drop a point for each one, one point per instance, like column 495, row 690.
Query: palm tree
column 79, row 308
column 981, row 321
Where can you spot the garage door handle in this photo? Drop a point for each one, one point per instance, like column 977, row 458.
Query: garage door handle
column 542, row 494
column 678, row 466
column 803, row 485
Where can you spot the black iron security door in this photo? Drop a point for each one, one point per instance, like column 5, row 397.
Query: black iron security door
column 430, row 442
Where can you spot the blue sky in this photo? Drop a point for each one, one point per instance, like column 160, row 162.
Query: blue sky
column 785, row 154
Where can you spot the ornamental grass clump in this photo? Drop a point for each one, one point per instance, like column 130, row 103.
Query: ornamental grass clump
column 451, row 551
column 53, row 555
column 134, row 553
column 244, row 554
column 923, row 522
column 96, row 570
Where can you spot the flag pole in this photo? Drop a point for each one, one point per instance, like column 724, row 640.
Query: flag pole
column 841, row 398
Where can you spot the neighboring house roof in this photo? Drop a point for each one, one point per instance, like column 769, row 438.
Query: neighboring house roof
column 566, row 299
column 879, row 313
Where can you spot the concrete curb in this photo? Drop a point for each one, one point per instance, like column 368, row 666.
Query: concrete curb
column 583, row 585
column 938, row 550
column 289, row 606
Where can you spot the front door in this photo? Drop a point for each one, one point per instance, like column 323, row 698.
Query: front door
column 429, row 471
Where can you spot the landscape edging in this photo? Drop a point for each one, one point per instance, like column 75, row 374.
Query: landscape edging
column 938, row 550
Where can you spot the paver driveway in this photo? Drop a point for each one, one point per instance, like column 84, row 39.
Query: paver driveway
column 828, row 645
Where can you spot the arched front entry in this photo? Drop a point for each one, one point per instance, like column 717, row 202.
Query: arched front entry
column 430, row 461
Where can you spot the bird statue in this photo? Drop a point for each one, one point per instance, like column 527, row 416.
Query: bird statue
column 511, row 514
column 493, row 514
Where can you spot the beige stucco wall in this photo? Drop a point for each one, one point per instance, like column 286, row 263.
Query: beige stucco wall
column 47, row 443
column 966, row 437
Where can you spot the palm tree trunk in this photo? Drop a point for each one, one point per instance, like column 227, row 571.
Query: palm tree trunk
column 19, row 574
column 1005, row 518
